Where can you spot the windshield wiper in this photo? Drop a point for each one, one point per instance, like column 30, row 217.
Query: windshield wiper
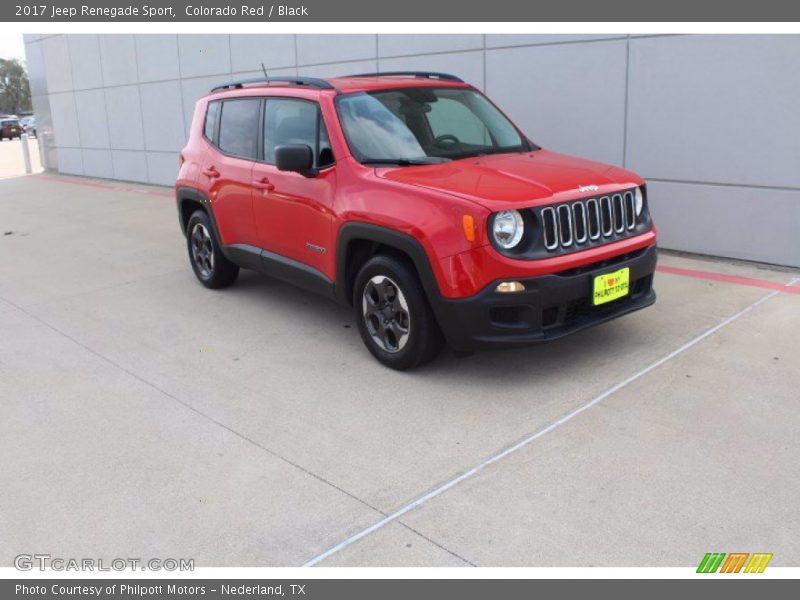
column 405, row 162
column 491, row 151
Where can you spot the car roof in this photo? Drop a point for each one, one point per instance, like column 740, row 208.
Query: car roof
column 340, row 85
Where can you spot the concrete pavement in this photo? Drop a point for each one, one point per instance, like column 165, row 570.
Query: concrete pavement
column 147, row 416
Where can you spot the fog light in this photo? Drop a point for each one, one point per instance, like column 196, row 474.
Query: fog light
column 509, row 287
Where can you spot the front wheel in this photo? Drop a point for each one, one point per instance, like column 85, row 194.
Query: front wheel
column 393, row 315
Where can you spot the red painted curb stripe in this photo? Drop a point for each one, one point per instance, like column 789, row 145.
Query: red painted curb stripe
column 712, row 276
column 104, row 186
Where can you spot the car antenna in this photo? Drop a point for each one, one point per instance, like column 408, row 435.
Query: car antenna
column 263, row 68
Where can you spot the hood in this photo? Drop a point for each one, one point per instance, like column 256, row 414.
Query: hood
column 514, row 180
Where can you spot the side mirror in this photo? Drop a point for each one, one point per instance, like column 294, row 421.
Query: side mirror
column 296, row 157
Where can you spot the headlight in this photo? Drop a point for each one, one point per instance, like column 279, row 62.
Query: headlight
column 508, row 228
column 638, row 200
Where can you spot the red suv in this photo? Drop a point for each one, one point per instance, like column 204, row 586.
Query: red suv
column 411, row 197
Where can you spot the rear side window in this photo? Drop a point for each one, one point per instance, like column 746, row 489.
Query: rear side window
column 238, row 127
column 212, row 115
column 288, row 122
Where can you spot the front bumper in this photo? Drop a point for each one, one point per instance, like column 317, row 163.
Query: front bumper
column 550, row 307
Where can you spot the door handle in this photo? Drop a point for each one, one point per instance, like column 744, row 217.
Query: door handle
column 210, row 172
column 264, row 184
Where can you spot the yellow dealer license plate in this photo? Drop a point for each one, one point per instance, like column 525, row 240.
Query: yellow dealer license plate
column 611, row 286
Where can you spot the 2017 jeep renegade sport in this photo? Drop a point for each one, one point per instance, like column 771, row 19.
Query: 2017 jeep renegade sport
column 413, row 198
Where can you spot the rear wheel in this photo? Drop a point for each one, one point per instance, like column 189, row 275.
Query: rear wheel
column 393, row 315
column 208, row 263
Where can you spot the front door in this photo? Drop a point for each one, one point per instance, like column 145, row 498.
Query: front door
column 294, row 213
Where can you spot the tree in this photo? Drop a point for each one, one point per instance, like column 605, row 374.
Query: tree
column 15, row 92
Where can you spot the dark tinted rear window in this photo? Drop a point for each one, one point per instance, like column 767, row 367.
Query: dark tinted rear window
column 238, row 129
column 212, row 114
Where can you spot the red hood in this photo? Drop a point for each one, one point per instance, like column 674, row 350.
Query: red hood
column 515, row 180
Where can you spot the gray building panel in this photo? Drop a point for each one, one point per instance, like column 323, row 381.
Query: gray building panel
column 92, row 119
column 157, row 57
column 315, row 49
column 97, row 163
column 70, row 161
column 501, row 40
column 37, row 76
column 568, row 97
column 118, row 58
column 720, row 109
column 203, row 55
column 248, row 52
column 162, row 116
column 161, row 167
column 738, row 222
column 338, row 69
column 65, row 120
column 57, row 64
column 129, row 165
column 84, row 53
column 409, row 44
column 124, row 112
column 712, row 121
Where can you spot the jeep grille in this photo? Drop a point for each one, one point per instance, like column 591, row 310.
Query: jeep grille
column 588, row 221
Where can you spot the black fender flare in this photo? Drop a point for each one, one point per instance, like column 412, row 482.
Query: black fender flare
column 445, row 316
column 357, row 230
column 189, row 194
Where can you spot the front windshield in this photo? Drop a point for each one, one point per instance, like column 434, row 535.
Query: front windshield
column 425, row 125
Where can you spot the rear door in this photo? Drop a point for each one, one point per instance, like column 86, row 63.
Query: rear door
column 294, row 213
column 227, row 169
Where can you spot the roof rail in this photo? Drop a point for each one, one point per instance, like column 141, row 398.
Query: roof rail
column 425, row 74
column 307, row 81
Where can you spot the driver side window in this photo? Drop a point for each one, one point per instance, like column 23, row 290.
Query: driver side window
column 450, row 117
column 288, row 121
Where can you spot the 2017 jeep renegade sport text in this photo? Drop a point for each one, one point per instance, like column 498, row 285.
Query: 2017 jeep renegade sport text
column 413, row 198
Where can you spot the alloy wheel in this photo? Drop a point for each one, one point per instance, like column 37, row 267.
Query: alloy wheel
column 386, row 314
column 202, row 250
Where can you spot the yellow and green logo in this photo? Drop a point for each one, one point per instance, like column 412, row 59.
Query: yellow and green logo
column 735, row 562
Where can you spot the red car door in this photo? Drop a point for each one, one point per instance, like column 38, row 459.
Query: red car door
column 227, row 169
column 294, row 213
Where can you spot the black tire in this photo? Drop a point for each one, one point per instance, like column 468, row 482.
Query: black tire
column 208, row 263
column 388, row 299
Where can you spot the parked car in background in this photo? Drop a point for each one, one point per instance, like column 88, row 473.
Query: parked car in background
column 415, row 200
column 10, row 128
column 29, row 125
